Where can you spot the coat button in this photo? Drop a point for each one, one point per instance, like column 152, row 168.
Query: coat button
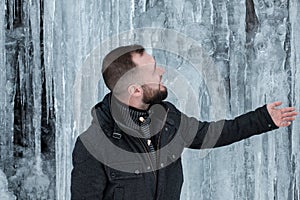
column 269, row 125
column 173, row 156
column 162, row 164
column 113, row 175
column 137, row 172
column 166, row 129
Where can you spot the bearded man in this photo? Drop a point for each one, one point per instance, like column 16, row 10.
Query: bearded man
column 132, row 150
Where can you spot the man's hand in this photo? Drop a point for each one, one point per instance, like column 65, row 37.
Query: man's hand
column 281, row 116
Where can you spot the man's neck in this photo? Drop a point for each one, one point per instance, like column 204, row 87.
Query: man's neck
column 133, row 102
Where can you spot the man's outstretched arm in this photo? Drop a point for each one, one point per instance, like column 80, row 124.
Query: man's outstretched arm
column 225, row 132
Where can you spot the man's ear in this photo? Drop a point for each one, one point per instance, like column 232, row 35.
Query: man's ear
column 135, row 90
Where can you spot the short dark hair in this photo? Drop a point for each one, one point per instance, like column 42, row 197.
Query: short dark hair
column 118, row 62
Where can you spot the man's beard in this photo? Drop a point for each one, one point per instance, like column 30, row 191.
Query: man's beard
column 153, row 96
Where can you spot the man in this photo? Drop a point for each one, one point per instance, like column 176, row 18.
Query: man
column 133, row 147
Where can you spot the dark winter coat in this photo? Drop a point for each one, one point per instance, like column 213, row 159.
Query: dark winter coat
column 92, row 179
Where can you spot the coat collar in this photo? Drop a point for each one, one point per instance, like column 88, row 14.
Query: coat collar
column 111, row 118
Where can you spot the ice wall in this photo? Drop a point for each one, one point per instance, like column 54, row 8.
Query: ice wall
column 51, row 53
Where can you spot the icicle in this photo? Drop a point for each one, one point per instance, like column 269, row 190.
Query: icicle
column 132, row 14
column 294, row 10
column 144, row 4
column 49, row 14
column 11, row 8
column 34, row 16
column 6, row 107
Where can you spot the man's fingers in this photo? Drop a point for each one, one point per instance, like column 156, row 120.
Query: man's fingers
column 288, row 119
column 271, row 106
column 289, row 114
column 288, row 109
column 285, row 123
column 275, row 104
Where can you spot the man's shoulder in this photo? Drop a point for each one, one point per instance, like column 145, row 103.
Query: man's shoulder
column 104, row 102
column 170, row 107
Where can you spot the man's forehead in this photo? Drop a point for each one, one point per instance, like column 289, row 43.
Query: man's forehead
column 142, row 59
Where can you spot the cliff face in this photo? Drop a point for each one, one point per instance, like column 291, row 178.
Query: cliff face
column 222, row 58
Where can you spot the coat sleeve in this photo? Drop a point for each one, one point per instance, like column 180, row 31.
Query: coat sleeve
column 201, row 135
column 88, row 178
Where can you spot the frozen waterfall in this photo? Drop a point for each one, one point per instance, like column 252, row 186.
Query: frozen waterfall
column 222, row 58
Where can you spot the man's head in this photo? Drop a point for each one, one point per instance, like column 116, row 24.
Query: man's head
column 130, row 72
